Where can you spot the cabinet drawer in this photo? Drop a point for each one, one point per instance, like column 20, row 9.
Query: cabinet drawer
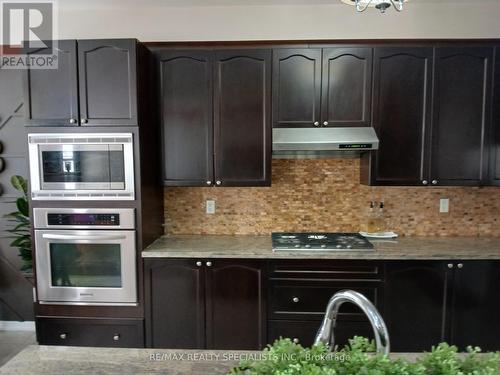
column 305, row 331
column 308, row 301
column 121, row 333
column 325, row 270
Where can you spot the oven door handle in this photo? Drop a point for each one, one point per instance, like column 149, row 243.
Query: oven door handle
column 84, row 237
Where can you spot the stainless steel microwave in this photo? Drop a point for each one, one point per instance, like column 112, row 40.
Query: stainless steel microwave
column 65, row 166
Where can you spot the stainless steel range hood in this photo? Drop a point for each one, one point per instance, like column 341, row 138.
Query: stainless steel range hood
column 323, row 142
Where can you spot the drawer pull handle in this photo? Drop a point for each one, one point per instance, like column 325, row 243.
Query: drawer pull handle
column 296, row 340
column 63, row 336
column 209, row 264
column 198, row 264
column 450, row 265
column 116, row 337
column 295, row 299
column 460, row 265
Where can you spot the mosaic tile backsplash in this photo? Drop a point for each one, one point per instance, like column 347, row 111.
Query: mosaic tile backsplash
column 326, row 195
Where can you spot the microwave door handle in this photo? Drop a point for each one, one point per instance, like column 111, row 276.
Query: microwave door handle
column 89, row 237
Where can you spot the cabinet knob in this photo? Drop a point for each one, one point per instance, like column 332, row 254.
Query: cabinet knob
column 72, row 120
column 116, row 337
column 63, row 336
column 460, row 265
column 295, row 340
column 450, row 265
column 84, row 120
column 295, row 299
column 434, row 182
column 209, row 264
column 425, row 182
column 209, row 182
column 316, row 123
column 198, row 264
column 325, row 123
column 218, row 182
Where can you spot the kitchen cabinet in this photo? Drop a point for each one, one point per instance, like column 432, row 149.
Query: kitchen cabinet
column 322, row 87
column 189, row 302
column 475, row 305
column 415, row 301
column 118, row 333
column 494, row 172
column 462, row 116
column 187, row 116
column 242, row 118
column 95, row 84
column 427, row 302
column 216, row 117
column 402, row 99
column 432, row 111
column 299, row 292
column 52, row 94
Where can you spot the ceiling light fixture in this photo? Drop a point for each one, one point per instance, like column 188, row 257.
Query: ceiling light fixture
column 382, row 5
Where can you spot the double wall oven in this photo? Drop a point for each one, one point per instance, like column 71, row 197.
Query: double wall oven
column 86, row 251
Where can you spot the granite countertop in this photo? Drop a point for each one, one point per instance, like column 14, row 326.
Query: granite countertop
column 259, row 247
column 67, row 360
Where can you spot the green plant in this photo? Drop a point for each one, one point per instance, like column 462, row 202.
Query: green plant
column 287, row 358
column 21, row 230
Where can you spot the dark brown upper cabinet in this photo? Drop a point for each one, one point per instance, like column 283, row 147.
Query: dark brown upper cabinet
column 95, row 84
column 296, row 87
column 51, row 95
column 186, row 97
column 462, row 116
column 346, row 87
column 495, row 136
column 216, row 117
column 402, row 100
column 432, row 113
column 242, row 118
column 322, row 87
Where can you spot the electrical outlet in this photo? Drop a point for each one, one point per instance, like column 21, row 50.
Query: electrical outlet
column 210, row 207
column 444, row 205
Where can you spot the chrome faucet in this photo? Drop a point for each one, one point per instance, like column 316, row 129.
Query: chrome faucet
column 325, row 332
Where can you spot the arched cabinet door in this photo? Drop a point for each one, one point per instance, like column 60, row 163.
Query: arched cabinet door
column 346, row 88
column 186, row 99
column 175, row 304
column 51, row 95
column 461, row 116
column 296, row 88
column 242, row 118
column 108, row 84
column 235, row 304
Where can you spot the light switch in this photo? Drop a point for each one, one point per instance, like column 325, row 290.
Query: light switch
column 444, row 205
column 210, row 207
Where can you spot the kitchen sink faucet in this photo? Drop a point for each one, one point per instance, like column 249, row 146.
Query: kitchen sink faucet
column 325, row 333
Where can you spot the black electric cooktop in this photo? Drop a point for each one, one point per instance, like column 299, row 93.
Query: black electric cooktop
column 283, row 241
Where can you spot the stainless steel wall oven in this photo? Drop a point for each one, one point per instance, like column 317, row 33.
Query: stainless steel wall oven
column 85, row 256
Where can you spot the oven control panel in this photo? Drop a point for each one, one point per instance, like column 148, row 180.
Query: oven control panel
column 111, row 219
column 84, row 218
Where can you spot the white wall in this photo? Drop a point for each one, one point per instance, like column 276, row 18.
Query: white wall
column 197, row 20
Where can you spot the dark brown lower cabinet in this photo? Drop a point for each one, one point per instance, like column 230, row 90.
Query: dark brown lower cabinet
column 427, row 302
column 119, row 333
column 212, row 304
column 299, row 291
column 415, row 303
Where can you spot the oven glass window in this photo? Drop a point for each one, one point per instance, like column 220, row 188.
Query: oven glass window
column 83, row 167
column 85, row 265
